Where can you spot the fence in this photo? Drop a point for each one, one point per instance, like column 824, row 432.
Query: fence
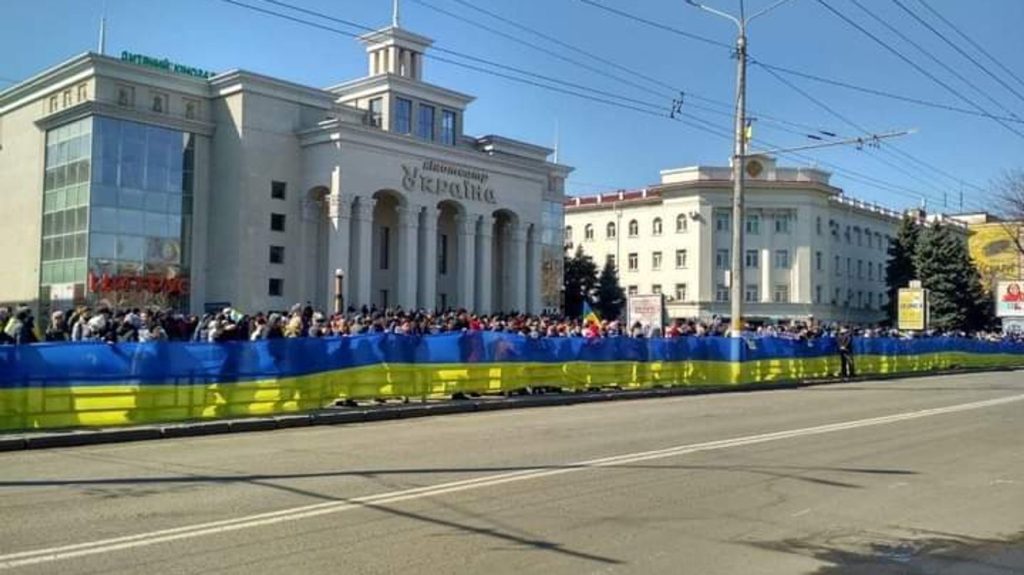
column 95, row 384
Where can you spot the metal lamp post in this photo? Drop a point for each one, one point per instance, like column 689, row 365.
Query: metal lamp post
column 739, row 154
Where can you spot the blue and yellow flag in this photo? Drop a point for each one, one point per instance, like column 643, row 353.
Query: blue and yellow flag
column 589, row 315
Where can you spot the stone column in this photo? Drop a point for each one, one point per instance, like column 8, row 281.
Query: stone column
column 517, row 264
column 362, row 217
column 408, row 236
column 338, row 239
column 533, row 271
column 484, row 253
column 428, row 259
column 767, row 265
column 466, row 261
column 407, row 63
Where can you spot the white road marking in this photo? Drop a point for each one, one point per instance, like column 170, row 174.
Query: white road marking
column 64, row 552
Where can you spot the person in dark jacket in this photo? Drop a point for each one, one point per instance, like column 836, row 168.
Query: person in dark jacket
column 844, row 341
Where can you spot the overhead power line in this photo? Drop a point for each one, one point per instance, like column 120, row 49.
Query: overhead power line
column 959, row 50
column 977, row 46
column 917, row 67
column 686, row 119
column 935, row 59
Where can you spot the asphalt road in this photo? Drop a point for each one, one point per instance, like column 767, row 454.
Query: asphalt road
column 905, row 476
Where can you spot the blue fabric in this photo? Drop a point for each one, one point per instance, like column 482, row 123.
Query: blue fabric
column 156, row 363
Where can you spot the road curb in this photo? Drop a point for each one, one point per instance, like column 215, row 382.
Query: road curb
column 351, row 415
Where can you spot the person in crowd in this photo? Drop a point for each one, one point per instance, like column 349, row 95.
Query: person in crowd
column 844, row 342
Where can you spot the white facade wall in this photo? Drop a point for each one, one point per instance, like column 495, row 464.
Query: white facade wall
column 808, row 290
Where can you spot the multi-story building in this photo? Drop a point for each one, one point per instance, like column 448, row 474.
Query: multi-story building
column 139, row 181
column 808, row 248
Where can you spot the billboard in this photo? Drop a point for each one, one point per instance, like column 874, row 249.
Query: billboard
column 1009, row 299
column 649, row 310
column 913, row 309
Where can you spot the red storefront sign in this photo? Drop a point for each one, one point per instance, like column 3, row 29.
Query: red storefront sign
column 150, row 284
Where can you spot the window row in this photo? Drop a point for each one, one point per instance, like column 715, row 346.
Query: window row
column 426, row 126
column 68, row 97
column 155, row 101
column 633, row 228
column 782, row 223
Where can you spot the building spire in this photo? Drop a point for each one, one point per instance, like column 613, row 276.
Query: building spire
column 395, row 13
column 103, row 31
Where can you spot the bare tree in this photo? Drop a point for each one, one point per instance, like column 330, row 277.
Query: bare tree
column 1008, row 192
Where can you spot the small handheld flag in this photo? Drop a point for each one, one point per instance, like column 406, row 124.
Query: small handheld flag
column 589, row 315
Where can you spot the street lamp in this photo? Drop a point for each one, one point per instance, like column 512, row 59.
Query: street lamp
column 739, row 153
column 339, row 297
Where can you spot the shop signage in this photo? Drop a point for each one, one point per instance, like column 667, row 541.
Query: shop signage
column 164, row 64
column 448, row 180
column 151, row 284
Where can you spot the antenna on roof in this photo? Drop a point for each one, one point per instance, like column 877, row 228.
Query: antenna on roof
column 395, row 13
column 556, row 139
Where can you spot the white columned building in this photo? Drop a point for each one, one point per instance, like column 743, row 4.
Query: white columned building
column 252, row 191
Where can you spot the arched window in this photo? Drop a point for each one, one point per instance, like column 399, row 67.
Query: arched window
column 568, row 233
column 634, row 228
column 610, row 231
column 656, row 227
column 588, row 232
column 680, row 223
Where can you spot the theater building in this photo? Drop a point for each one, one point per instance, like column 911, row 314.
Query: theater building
column 136, row 180
column 808, row 248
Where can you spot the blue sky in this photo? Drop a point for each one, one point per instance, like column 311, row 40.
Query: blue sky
column 612, row 147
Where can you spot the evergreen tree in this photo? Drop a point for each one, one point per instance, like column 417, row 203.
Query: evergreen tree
column 956, row 298
column 579, row 281
column 610, row 295
column 900, row 269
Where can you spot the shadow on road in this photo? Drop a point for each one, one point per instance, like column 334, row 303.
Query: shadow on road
column 938, row 553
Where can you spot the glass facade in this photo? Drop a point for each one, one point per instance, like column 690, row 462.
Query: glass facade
column 66, row 207
column 117, row 213
column 403, row 116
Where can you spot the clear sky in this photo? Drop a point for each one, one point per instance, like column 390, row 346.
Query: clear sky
column 612, row 147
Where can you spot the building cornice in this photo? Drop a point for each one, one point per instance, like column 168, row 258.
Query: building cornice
column 369, row 137
column 235, row 81
column 402, row 85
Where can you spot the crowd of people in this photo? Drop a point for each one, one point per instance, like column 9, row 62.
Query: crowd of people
column 145, row 325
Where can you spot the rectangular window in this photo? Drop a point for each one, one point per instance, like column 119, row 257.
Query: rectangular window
column 818, row 263
column 125, row 96
column 817, row 225
column 849, row 268
column 191, row 109
column 681, row 292
column 782, row 224
column 656, row 261
column 781, row 294
column 722, row 259
column 158, row 103
column 817, row 294
column 680, row 259
column 81, row 93
column 860, row 269
column 67, row 98
column 448, row 121
column 881, row 274
column 385, row 247
column 871, row 271
column 722, row 221
column 753, row 224
column 839, row 271
column 860, row 299
column 53, row 104
column 278, row 190
column 871, row 299
column 403, row 116
column 610, row 258
column 750, row 294
column 377, row 112
column 634, row 262
column 782, row 259
column 750, row 259
column 276, row 287
column 442, row 254
column 835, row 300
column 631, row 290
column 656, row 289
column 425, row 127
column 721, row 293
column 277, row 254
column 277, row 222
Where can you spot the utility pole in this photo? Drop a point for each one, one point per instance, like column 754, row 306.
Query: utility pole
column 739, row 154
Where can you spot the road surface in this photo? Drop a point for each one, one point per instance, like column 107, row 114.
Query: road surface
column 903, row 476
